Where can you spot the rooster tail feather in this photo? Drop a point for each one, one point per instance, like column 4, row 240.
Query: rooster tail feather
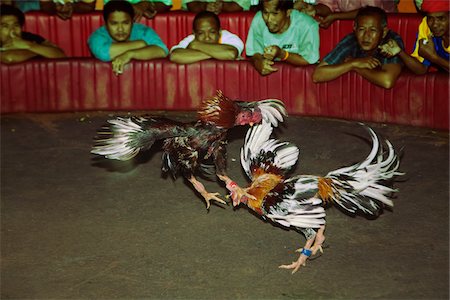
column 123, row 138
column 363, row 187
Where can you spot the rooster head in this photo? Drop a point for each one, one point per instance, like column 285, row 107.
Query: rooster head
column 226, row 113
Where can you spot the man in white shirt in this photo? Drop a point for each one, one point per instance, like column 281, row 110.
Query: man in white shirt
column 207, row 41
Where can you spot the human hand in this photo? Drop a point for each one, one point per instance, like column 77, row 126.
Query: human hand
column 327, row 21
column 365, row 63
column 119, row 62
column 390, row 49
column 15, row 43
column 265, row 66
column 215, row 7
column 272, row 52
column 426, row 48
column 64, row 11
column 305, row 8
column 194, row 44
column 143, row 8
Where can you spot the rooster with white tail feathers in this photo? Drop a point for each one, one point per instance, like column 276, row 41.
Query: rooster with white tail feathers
column 298, row 201
column 189, row 148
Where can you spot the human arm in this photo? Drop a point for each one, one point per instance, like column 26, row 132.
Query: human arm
column 427, row 51
column 145, row 53
column 84, row 6
column 217, row 51
column 386, row 76
column 274, row 52
column 187, row 56
column 327, row 72
column 391, row 49
column 330, row 18
column 263, row 65
column 19, row 50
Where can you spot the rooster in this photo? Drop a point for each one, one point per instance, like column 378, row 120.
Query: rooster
column 298, row 202
column 189, row 148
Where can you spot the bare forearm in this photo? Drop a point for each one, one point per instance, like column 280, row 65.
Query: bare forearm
column 412, row 64
column 383, row 78
column 83, row 7
column 196, row 6
column 218, row 51
column 347, row 15
column 296, row 59
column 330, row 72
column 187, row 56
column 147, row 53
column 117, row 49
column 47, row 51
column 231, row 7
column 16, row 56
column 441, row 62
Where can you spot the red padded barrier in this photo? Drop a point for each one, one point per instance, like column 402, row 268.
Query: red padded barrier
column 88, row 84
column 72, row 35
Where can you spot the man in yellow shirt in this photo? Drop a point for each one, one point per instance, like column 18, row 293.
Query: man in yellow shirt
column 432, row 44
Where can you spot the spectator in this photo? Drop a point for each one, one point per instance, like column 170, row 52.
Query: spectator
column 17, row 45
column 207, row 41
column 65, row 8
column 328, row 11
column 147, row 8
column 122, row 40
column 278, row 33
column 359, row 52
column 432, row 44
column 216, row 6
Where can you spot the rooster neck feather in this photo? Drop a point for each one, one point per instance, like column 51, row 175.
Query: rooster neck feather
column 218, row 110
column 262, row 185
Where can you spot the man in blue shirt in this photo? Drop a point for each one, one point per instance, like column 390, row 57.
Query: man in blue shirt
column 278, row 33
column 120, row 40
column 361, row 52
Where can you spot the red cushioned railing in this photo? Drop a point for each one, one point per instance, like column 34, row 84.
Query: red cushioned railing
column 72, row 35
column 87, row 84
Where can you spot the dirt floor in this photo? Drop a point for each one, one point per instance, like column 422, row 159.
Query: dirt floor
column 78, row 227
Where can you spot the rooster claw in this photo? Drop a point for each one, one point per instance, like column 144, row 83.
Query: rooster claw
column 213, row 197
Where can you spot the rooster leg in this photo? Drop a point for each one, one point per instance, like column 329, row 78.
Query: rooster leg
column 318, row 241
column 301, row 261
column 207, row 196
column 236, row 192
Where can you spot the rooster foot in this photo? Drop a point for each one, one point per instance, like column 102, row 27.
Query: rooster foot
column 301, row 261
column 239, row 195
column 212, row 197
column 318, row 241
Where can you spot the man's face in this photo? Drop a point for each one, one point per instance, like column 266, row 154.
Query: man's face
column 119, row 26
column 10, row 28
column 277, row 21
column 369, row 32
column 207, row 31
column 438, row 23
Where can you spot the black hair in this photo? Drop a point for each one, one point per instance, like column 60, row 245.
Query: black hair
column 282, row 5
column 204, row 15
column 117, row 5
column 372, row 11
column 9, row 10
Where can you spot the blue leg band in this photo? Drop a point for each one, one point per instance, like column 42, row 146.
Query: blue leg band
column 306, row 252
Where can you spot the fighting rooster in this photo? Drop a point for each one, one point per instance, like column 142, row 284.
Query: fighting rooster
column 299, row 201
column 189, row 148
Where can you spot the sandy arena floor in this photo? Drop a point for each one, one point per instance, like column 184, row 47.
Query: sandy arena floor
column 77, row 227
